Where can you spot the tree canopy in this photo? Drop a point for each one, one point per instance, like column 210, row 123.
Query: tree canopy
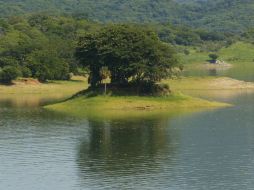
column 41, row 46
column 214, row 15
column 131, row 54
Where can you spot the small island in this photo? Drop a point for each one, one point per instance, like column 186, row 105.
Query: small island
column 126, row 66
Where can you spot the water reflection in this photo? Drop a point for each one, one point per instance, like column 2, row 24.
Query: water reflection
column 209, row 150
column 220, row 95
column 243, row 71
column 212, row 72
column 125, row 148
column 29, row 100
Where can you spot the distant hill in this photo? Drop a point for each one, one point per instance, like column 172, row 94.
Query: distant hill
column 216, row 15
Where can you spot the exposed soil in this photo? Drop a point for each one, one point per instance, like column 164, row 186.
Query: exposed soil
column 26, row 81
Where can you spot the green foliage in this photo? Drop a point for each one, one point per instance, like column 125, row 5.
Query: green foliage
column 213, row 56
column 46, row 65
column 43, row 45
column 26, row 72
column 238, row 53
column 9, row 73
column 182, row 35
column 130, row 53
column 40, row 45
column 214, row 15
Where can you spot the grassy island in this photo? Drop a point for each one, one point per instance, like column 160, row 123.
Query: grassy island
column 133, row 103
column 134, row 70
column 114, row 105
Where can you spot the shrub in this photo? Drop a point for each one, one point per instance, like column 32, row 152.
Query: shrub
column 149, row 88
column 186, row 52
column 9, row 73
column 26, row 72
column 213, row 56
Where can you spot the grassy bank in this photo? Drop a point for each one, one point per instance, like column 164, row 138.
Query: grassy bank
column 238, row 62
column 30, row 86
column 237, row 53
column 31, row 93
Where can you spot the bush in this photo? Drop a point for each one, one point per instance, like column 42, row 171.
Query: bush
column 46, row 65
column 42, row 73
column 150, row 88
column 8, row 74
column 186, row 52
column 213, row 56
column 26, row 72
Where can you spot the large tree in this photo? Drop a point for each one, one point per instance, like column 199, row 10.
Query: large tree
column 130, row 53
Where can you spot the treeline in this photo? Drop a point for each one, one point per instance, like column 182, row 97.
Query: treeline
column 40, row 46
column 186, row 36
column 214, row 15
column 43, row 46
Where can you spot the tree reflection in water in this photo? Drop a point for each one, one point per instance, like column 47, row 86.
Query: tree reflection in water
column 125, row 148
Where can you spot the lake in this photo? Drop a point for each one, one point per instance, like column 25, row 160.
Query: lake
column 239, row 71
column 213, row 149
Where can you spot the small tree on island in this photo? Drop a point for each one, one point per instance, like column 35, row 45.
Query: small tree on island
column 105, row 74
column 131, row 54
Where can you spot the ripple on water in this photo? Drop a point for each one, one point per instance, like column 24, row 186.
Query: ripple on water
column 209, row 150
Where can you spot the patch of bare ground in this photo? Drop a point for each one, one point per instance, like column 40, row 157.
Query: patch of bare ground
column 26, row 81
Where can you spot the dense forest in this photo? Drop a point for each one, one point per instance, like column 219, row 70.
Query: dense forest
column 39, row 46
column 215, row 15
column 43, row 46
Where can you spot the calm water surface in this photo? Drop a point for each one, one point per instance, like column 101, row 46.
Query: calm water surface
column 41, row 150
column 243, row 71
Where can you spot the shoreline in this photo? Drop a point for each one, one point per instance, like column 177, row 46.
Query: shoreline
column 209, row 83
column 114, row 106
column 126, row 103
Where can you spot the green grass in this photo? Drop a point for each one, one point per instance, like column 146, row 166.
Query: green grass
column 194, row 57
column 239, row 57
column 237, row 53
column 120, row 106
column 22, row 94
column 52, row 87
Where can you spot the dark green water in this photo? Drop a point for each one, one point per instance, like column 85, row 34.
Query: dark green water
column 209, row 150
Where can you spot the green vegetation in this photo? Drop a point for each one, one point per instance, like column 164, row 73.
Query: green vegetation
column 239, row 53
column 118, row 105
column 9, row 73
column 26, row 86
column 41, row 46
column 133, row 56
column 88, row 102
column 213, row 57
column 29, row 92
column 216, row 15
